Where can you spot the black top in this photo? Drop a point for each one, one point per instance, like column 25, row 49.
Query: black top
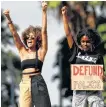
column 32, row 63
column 79, row 56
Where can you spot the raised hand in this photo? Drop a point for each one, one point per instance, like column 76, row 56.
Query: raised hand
column 64, row 10
column 6, row 12
column 44, row 6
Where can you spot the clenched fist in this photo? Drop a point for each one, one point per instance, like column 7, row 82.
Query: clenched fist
column 44, row 6
column 6, row 12
column 64, row 10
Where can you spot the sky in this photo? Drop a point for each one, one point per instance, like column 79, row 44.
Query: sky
column 25, row 13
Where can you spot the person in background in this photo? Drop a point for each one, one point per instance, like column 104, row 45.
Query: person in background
column 32, row 52
column 83, row 46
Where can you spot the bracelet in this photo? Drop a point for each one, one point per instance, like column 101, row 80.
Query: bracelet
column 10, row 22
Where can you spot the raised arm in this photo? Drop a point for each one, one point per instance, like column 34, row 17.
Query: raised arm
column 44, row 27
column 66, row 26
column 16, row 37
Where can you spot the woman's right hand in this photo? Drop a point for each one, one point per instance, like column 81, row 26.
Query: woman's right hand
column 6, row 13
column 64, row 10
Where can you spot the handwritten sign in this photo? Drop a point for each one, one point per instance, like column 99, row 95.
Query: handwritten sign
column 86, row 77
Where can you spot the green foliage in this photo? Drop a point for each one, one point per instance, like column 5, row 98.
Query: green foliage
column 95, row 3
column 53, row 4
column 104, row 92
column 102, row 31
column 102, row 27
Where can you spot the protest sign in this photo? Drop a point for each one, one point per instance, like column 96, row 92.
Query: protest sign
column 86, row 77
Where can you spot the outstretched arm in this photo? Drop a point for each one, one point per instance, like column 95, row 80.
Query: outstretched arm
column 16, row 37
column 44, row 27
column 66, row 26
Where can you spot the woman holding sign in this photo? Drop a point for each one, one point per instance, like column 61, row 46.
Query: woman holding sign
column 33, row 89
column 83, row 52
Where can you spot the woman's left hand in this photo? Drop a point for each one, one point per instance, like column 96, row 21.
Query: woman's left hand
column 104, row 78
column 44, row 5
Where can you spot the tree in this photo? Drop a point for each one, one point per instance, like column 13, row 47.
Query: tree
column 10, row 65
column 80, row 15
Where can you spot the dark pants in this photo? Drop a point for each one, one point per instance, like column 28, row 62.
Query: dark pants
column 39, row 92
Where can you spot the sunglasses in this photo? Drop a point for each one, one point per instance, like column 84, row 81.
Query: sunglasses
column 30, row 37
